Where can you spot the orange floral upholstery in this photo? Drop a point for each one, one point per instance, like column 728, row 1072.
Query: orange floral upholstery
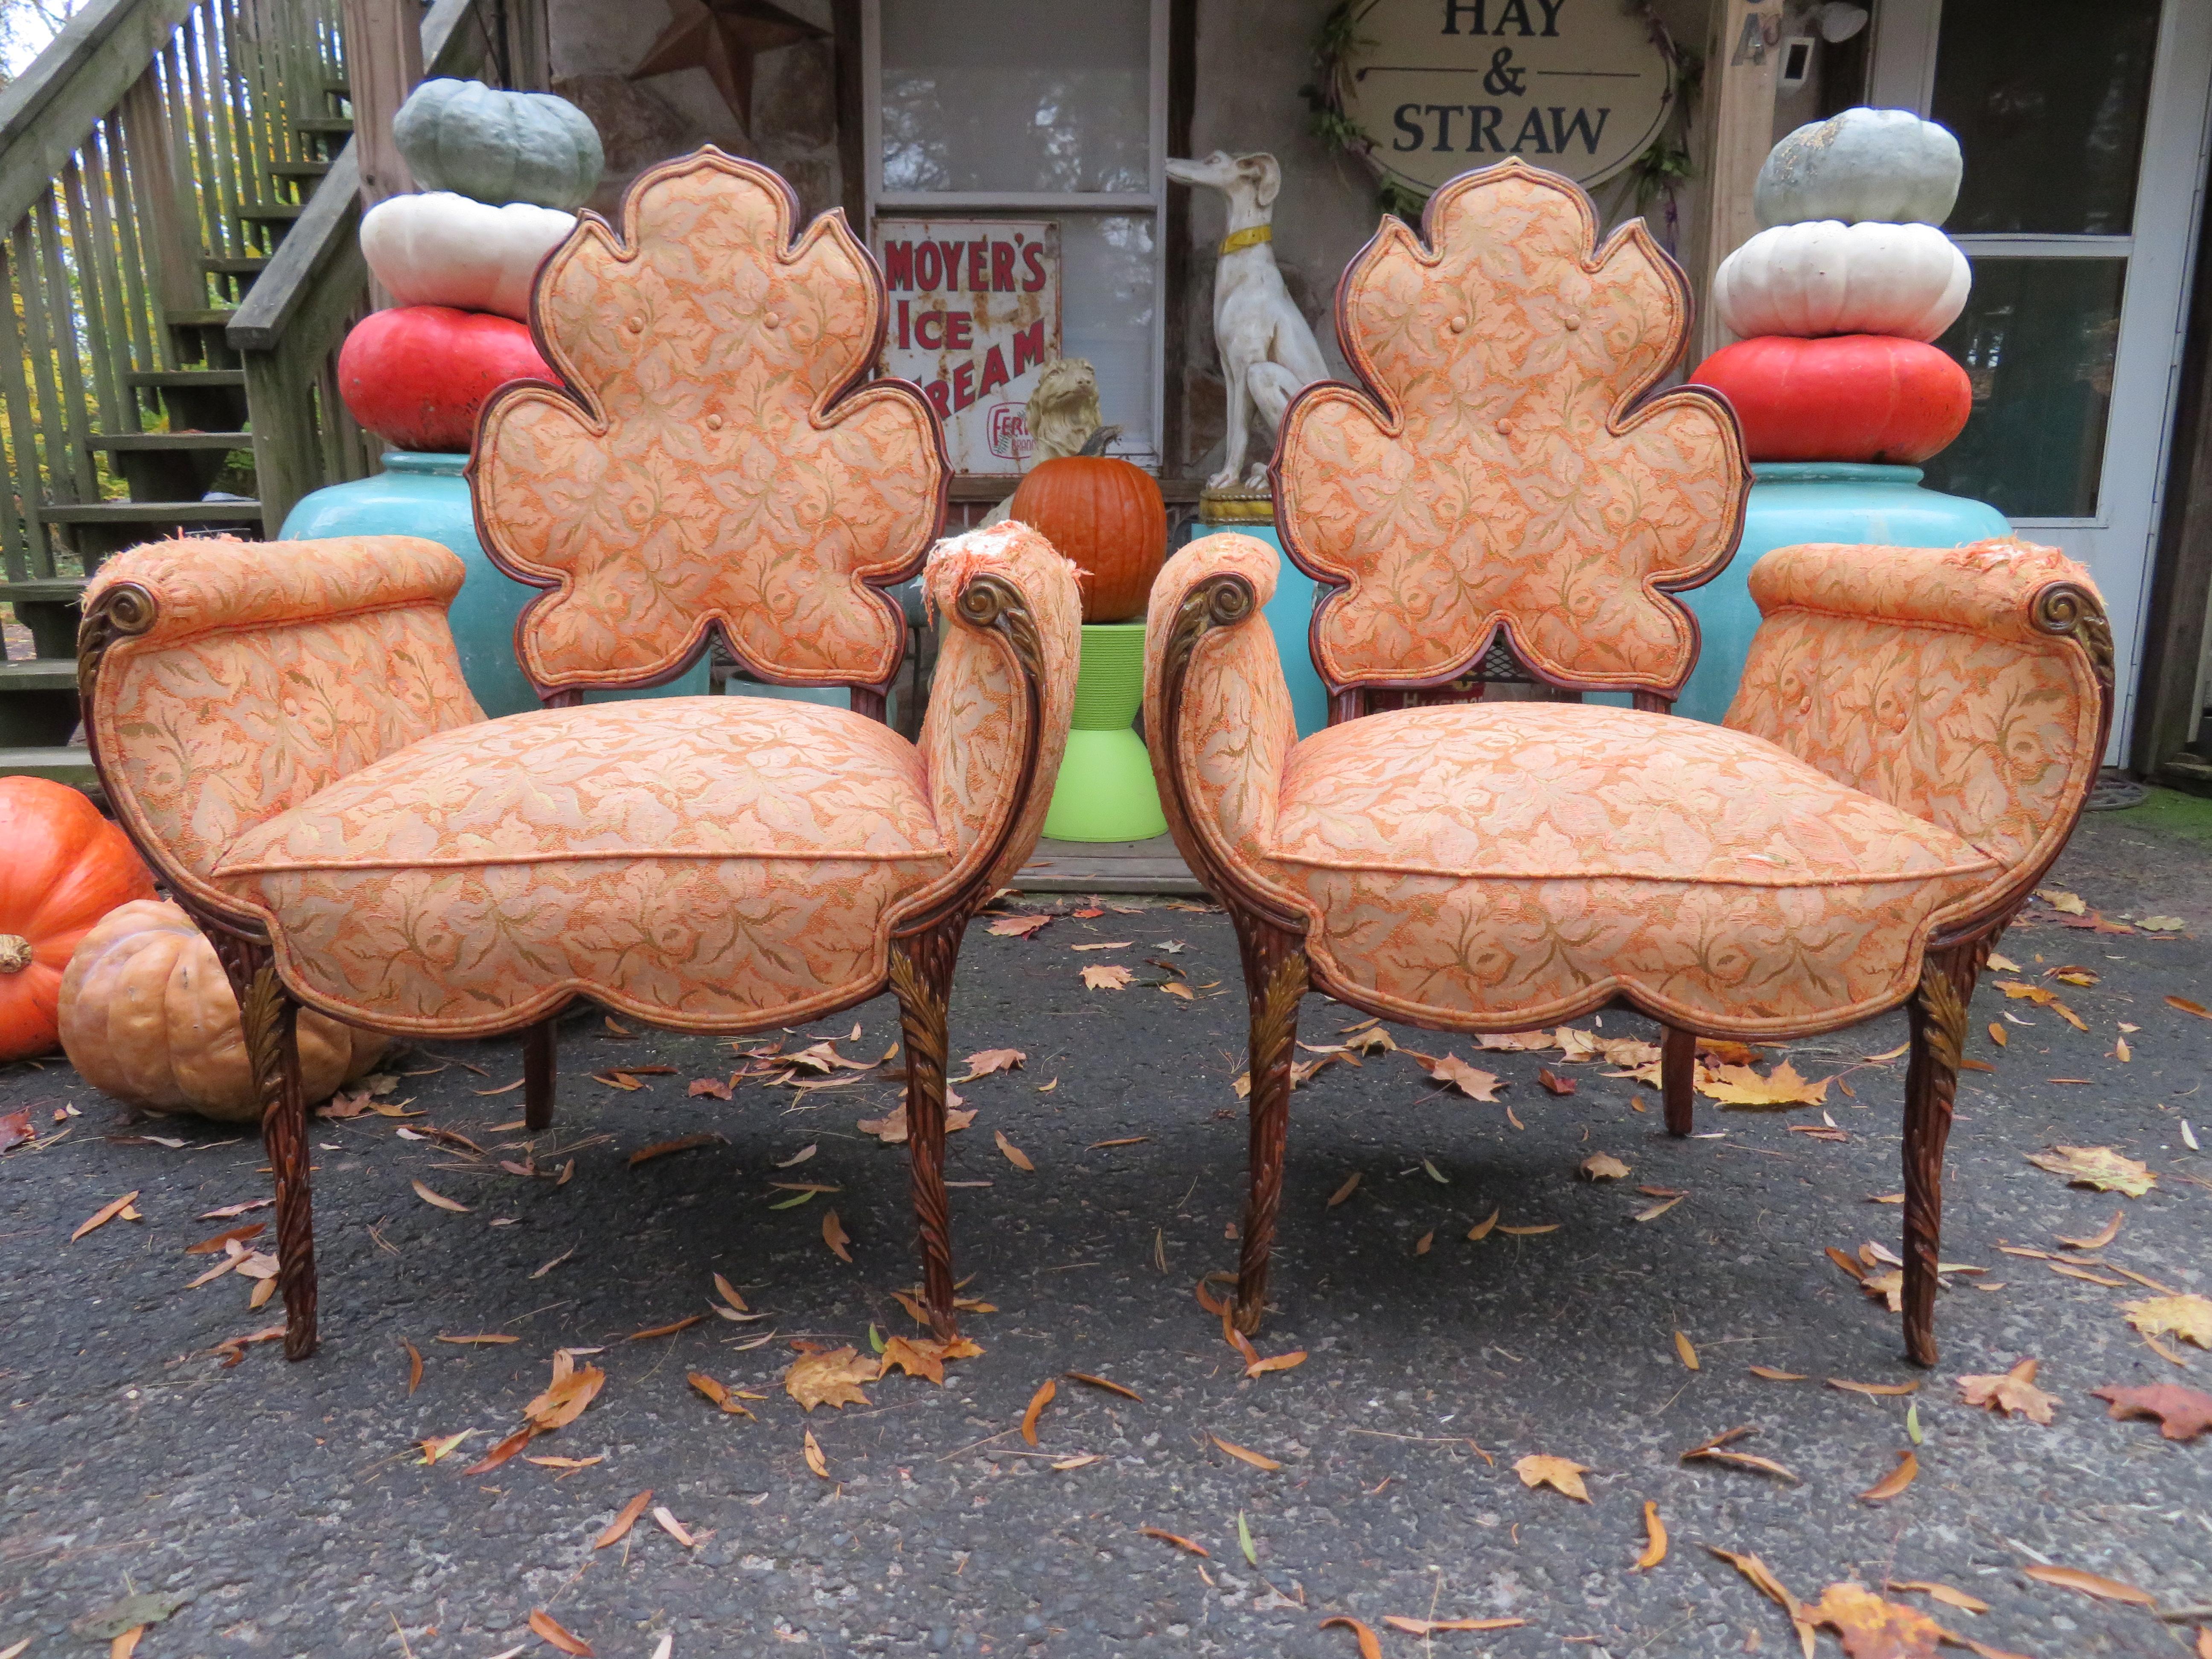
column 1501, row 866
column 268, row 670
column 716, row 457
column 710, row 863
column 1502, row 466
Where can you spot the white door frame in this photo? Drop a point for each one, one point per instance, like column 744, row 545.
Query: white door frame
column 2117, row 544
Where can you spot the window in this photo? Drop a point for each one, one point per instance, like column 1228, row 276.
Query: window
column 1004, row 109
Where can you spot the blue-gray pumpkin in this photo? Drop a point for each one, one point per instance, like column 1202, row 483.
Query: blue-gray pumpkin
column 499, row 146
column 1883, row 165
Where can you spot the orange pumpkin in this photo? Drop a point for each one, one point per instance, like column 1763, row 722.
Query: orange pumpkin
column 147, row 1016
column 63, row 867
column 1107, row 517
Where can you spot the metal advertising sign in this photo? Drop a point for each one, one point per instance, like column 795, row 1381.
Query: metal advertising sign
column 1443, row 85
column 975, row 313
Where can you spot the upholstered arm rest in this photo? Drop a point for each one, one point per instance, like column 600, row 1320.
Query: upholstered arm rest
column 1970, row 686
column 1002, row 698
column 1216, row 713
column 226, row 682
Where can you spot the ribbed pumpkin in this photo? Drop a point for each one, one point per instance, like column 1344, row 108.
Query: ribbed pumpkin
column 1107, row 517
column 147, row 1015
column 1850, row 397
column 63, row 867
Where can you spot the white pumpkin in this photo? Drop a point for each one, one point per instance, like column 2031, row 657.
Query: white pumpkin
column 1879, row 164
column 1829, row 277
column 440, row 249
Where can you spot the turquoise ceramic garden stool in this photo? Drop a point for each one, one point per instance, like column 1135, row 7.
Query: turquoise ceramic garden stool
column 1106, row 791
column 1290, row 613
column 424, row 495
column 1799, row 501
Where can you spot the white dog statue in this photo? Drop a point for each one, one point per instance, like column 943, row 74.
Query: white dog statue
column 1268, row 352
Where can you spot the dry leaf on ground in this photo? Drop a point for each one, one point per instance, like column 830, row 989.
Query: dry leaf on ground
column 984, row 1061
column 1471, row 1081
column 681, row 1144
column 924, row 1359
column 1371, row 1645
column 1741, row 1085
column 1943, row 1593
column 829, row 1379
column 438, row 1198
column 2183, row 1413
column 1560, row 1474
column 1276, row 1362
column 2096, row 1241
column 1716, row 1451
column 1038, row 1402
column 716, row 1392
column 1245, row 1454
column 1107, row 1383
column 1601, row 1166
column 1874, row 1390
column 668, row 1523
column 2089, row 1583
column 1351, row 1185
column 1481, row 1229
column 1016, row 927
column 2099, row 1167
column 114, row 1208
column 1015, row 1155
column 1871, row 1628
column 834, row 1235
column 1107, row 976
column 550, row 1630
column 564, row 1401
column 811, row 1451
column 1774, row 1375
column 1654, row 1534
column 1907, row 1470
column 2009, row 1392
column 1553, row 1084
column 1762, row 1575
column 1431, row 1626
column 2189, row 1318
column 1176, row 1538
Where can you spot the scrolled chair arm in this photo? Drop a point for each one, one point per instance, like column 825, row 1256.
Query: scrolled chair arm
column 999, row 704
column 1970, row 686
column 246, row 675
column 1217, row 716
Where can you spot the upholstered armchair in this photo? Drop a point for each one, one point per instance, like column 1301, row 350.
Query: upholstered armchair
column 285, row 731
column 1914, row 735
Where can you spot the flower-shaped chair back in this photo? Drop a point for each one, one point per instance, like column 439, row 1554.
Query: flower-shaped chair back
column 713, row 459
column 1500, row 466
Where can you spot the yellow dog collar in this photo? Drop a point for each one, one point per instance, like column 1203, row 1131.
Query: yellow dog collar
column 1251, row 236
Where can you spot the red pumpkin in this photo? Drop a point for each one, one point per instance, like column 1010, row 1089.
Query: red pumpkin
column 1107, row 517
column 415, row 376
column 63, row 867
column 1850, row 397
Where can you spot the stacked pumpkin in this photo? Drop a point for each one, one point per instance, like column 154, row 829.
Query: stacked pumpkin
column 1839, row 296
column 503, row 172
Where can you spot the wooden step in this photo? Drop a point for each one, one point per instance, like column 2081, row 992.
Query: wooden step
column 251, row 265
column 63, row 763
column 271, row 213
column 187, row 380
column 144, row 441
column 42, row 590
column 331, row 123
column 47, row 607
column 298, row 169
column 39, row 674
column 214, row 318
column 147, row 512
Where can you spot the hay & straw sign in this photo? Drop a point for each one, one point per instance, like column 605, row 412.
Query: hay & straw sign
column 1441, row 86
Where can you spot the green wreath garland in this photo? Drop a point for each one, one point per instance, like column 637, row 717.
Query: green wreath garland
column 1657, row 174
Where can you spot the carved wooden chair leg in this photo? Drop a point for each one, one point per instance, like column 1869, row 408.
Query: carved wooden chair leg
column 269, row 1018
column 922, row 975
column 1275, row 979
column 1678, row 1076
column 1938, row 1015
column 539, row 1049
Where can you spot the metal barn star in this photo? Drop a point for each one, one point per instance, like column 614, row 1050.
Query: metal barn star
column 723, row 37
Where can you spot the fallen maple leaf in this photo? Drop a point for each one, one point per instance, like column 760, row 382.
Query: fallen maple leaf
column 1038, row 1402
column 2189, row 1318
column 548, row 1629
column 1553, row 1083
column 2089, row 1583
column 1907, row 1470
column 2009, row 1392
column 1370, row 1644
column 984, row 1061
column 1655, row 1545
column 831, row 1378
column 710, row 1086
column 891, row 1130
column 923, row 1359
column 834, row 1235
column 1107, row 976
column 1245, row 1454
column 1741, row 1085
column 1871, row 1628
column 2059, row 899
column 1474, row 1083
column 1015, row 1155
column 1601, row 1166
column 2184, row 1413
column 2099, row 1167
column 1560, row 1474
column 107, row 1212
column 1016, row 927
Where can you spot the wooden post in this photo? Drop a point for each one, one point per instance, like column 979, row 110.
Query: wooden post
column 384, row 60
column 1743, row 57
column 168, row 228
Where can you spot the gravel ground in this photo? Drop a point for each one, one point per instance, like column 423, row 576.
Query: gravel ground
column 288, row 1508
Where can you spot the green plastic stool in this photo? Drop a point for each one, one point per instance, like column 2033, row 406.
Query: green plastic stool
column 1106, row 791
